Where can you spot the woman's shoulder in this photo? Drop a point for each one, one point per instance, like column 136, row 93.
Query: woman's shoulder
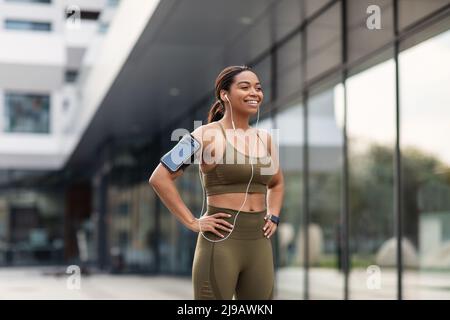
column 204, row 132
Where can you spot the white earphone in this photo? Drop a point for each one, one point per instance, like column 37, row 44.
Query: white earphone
column 231, row 108
column 248, row 186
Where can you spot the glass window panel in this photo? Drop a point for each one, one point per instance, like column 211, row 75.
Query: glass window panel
column 191, row 193
column 323, row 46
column 425, row 129
column 312, row 6
column 371, row 145
column 361, row 39
column 71, row 76
column 118, row 231
column 27, row 113
column 146, row 227
column 290, row 271
column 131, row 229
column 287, row 17
column 169, row 230
column 440, row 26
column 252, row 40
column 31, row 224
column 325, row 143
column 31, row 1
column 27, row 25
column 289, row 68
column 411, row 11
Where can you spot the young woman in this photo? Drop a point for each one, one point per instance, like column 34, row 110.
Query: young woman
column 233, row 256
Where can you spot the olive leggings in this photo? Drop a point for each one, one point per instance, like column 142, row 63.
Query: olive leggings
column 241, row 265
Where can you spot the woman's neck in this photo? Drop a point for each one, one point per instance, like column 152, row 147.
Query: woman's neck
column 240, row 122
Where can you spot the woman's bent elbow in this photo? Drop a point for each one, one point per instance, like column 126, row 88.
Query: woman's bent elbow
column 152, row 180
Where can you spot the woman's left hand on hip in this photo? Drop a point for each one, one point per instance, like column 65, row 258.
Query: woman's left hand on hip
column 269, row 228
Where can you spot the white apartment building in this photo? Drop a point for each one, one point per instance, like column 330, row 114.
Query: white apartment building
column 59, row 60
column 47, row 48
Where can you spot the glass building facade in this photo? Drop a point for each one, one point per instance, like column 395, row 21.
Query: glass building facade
column 362, row 115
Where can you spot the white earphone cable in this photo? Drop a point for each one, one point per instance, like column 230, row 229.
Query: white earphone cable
column 246, row 192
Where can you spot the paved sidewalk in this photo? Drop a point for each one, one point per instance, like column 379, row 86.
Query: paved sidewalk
column 41, row 284
column 44, row 283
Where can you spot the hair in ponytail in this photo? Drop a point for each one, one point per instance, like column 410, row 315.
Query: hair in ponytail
column 216, row 112
column 223, row 82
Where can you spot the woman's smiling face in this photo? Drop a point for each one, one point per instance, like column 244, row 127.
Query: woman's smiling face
column 246, row 93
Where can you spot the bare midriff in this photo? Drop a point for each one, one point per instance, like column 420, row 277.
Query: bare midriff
column 254, row 202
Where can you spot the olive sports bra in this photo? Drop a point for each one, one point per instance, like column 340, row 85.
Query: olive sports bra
column 234, row 177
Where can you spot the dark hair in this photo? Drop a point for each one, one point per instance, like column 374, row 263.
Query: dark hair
column 223, row 82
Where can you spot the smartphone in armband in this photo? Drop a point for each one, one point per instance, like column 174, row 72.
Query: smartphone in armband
column 182, row 154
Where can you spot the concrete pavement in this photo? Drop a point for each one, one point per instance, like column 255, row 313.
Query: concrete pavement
column 42, row 283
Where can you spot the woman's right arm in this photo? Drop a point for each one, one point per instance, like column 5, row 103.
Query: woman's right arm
column 163, row 182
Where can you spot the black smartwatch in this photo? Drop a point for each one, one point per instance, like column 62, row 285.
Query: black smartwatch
column 273, row 218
